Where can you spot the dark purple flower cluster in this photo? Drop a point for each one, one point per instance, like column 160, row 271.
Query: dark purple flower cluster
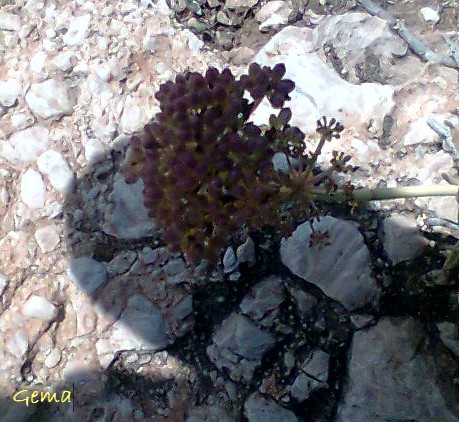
column 206, row 169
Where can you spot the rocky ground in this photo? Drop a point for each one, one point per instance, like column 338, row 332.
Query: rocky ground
column 361, row 327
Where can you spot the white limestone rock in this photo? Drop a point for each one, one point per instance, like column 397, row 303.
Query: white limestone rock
column 128, row 219
column 103, row 129
column 39, row 307
column 419, row 132
column 55, row 166
column 86, row 315
column 263, row 300
column 77, row 30
column 364, row 46
column 9, row 21
column 88, row 274
column 24, row 146
column 49, row 99
column 22, row 120
column 37, row 62
column 132, row 117
column 394, row 375
column 273, row 14
column 33, row 189
column 10, row 90
column 313, row 376
column 47, row 238
column 18, row 343
column 449, row 334
column 319, row 89
column 230, row 263
column 430, row 15
column 260, row 409
column 340, row 264
column 235, row 4
column 141, row 326
column 53, row 358
column 194, row 43
column 402, row 239
column 208, row 414
column 246, row 253
column 242, row 337
column 94, row 150
column 3, row 283
column 65, row 61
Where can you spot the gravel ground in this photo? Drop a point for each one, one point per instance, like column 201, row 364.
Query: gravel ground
column 95, row 309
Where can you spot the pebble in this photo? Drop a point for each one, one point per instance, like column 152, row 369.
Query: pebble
column 449, row 334
column 9, row 21
column 184, row 308
column 37, row 62
column 121, row 263
column 53, row 358
column 402, row 239
column 273, row 14
column 10, row 90
column 129, row 218
column 430, row 15
column 103, row 71
column 141, row 326
column 22, row 120
column 65, row 61
column 3, row 283
column 208, row 413
column 260, row 409
column 132, row 357
column 246, row 252
column 313, row 376
column 263, row 299
column 77, row 30
column 47, row 238
column 339, row 263
column 88, row 274
column 174, row 267
column 49, row 99
column 33, row 189
column 24, row 146
column 18, row 343
column 305, row 301
column 93, row 150
column 234, row 4
column 241, row 336
column 230, row 263
column 103, row 130
column 132, row 116
column 55, row 166
column 39, row 307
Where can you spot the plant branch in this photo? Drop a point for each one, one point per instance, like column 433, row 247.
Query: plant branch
column 366, row 195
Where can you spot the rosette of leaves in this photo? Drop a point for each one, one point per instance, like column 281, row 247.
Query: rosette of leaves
column 206, row 169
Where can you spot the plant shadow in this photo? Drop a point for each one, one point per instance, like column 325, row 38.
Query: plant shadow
column 144, row 312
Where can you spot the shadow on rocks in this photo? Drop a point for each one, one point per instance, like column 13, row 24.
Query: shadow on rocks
column 132, row 328
column 137, row 319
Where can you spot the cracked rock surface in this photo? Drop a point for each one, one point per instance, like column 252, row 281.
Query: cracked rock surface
column 360, row 325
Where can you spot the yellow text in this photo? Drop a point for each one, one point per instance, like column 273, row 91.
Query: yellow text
column 34, row 397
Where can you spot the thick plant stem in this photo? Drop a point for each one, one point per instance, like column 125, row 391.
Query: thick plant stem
column 366, row 195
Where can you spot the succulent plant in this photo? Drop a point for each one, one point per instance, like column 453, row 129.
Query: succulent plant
column 207, row 170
